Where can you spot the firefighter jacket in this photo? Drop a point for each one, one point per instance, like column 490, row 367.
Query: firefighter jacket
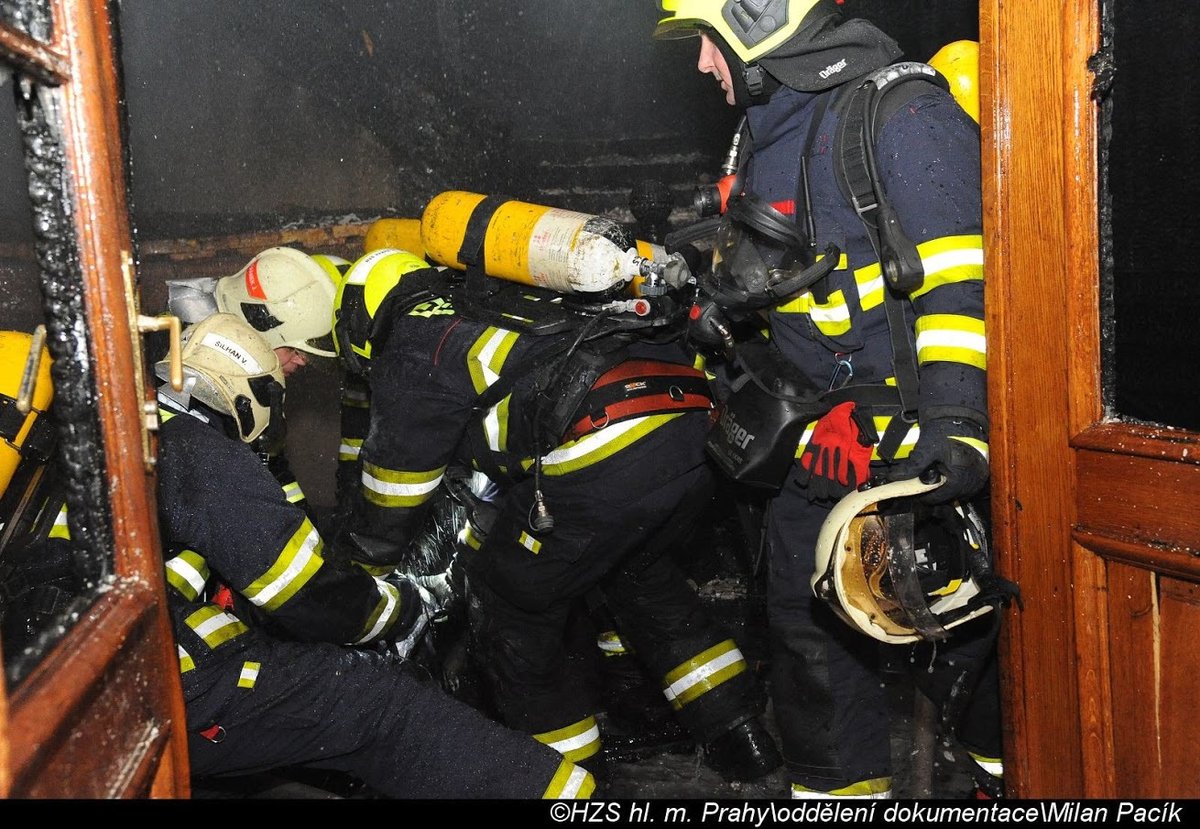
column 428, row 373
column 838, row 333
column 243, row 558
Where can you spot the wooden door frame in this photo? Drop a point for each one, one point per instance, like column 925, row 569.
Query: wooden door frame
column 1059, row 529
column 70, row 710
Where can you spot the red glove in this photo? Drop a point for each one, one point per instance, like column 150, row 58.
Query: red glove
column 835, row 459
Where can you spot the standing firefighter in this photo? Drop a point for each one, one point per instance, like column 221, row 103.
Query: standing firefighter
column 287, row 657
column 879, row 317
column 591, row 500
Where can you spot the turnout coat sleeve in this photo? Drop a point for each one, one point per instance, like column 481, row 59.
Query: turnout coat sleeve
column 218, row 500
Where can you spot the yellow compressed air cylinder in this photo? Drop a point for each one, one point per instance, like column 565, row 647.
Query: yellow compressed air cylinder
column 401, row 234
column 959, row 62
column 547, row 247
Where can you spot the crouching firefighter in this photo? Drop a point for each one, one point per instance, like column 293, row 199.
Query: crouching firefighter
column 289, row 658
column 594, row 436
column 854, row 233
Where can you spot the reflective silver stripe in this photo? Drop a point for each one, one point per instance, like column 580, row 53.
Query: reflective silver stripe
column 249, row 674
column 575, row 783
column 192, row 573
column 293, row 492
column 566, row 745
column 700, row 673
column 300, row 559
column 396, row 489
column 391, row 607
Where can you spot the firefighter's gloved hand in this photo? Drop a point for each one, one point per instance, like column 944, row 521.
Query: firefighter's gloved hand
column 954, row 447
column 378, row 555
column 440, row 588
column 836, row 459
column 418, row 606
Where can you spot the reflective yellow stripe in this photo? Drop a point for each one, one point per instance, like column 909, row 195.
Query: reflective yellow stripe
column 299, row 560
column 387, row 610
column 249, row 674
column 878, row 789
column 60, row 528
column 188, row 572
column 950, row 259
column 597, row 446
column 484, row 361
column 610, row 643
column 870, row 286
column 186, row 663
column 292, row 492
column 215, row 626
column 391, row 488
column 951, row 338
column 356, row 399
column 575, row 742
column 702, row 673
column 349, row 449
column 570, row 782
column 529, row 542
column 992, row 765
column 487, row 355
column 468, row 536
column 978, row 445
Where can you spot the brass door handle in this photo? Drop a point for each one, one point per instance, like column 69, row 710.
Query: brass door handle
column 166, row 322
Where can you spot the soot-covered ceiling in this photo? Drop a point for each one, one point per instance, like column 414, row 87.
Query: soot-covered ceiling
column 273, row 113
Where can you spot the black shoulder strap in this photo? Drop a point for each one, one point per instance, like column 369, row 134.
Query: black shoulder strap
column 868, row 107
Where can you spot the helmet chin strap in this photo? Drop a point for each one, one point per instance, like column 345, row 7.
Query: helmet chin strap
column 751, row 83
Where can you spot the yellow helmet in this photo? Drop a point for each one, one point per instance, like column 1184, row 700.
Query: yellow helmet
column 901, row 571
column 335, row 267
column 959, row 63
column 26, row 434
column 751, row 28
column 230, row 368
column 286, row 296
column 359, row 296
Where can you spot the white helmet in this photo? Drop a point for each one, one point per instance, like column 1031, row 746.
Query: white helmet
column 286, row 296
column 902, row 571
column 230, row 368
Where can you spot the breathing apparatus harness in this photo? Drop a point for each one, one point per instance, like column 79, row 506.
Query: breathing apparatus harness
column 580, row 384
column 753, row 439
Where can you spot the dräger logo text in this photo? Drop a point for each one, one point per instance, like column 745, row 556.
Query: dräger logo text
column 833, row 68
column 735, row 434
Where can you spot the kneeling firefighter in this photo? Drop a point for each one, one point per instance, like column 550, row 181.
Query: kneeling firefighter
column 854, row 234
column 290, row 657
column 594, row 437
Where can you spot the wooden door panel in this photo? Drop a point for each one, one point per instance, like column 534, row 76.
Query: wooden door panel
column 1177, row 727
column 1152, row 633
column 1132, row 626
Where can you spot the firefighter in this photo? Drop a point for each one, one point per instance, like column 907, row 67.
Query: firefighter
column 596, row 481
column 287, row 658
column 898, row 350
column 286, row 295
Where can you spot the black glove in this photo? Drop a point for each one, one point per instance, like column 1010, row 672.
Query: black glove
column 419, row 607
column 954, row 447
column 377, row 556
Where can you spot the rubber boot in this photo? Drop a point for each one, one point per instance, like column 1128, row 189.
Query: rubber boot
column 743, row 753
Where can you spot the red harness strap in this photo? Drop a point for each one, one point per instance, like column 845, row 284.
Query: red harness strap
column 640, row 387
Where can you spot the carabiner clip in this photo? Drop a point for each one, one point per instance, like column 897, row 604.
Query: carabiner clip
column 843, row 372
